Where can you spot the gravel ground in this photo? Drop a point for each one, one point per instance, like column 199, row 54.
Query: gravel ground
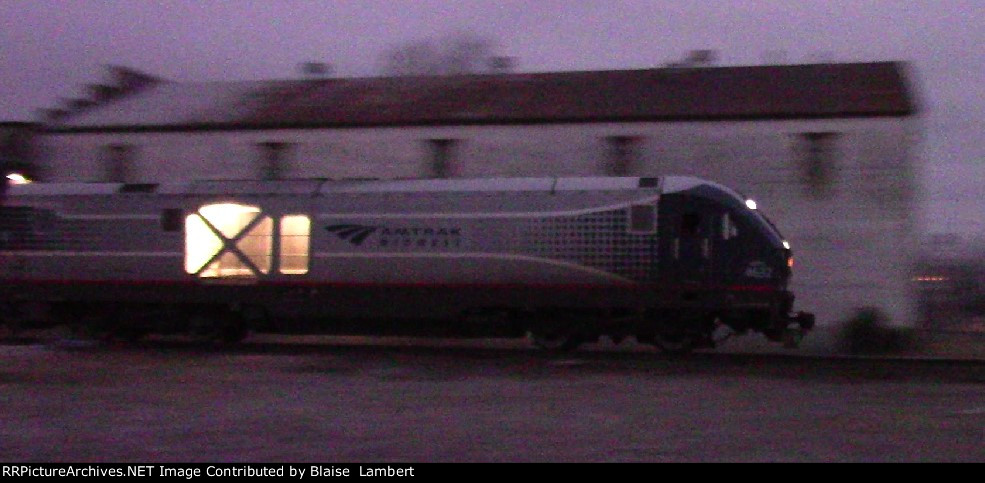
column 399, row 400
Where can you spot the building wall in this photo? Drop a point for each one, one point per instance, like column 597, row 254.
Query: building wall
column 842, row 191
column 18, row 152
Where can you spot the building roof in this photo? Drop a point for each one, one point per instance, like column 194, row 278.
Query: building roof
column 665, row 94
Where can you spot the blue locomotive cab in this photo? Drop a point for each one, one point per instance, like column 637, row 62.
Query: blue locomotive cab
column 716, row 240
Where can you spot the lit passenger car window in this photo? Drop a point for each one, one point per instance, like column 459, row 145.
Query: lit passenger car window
column 295, row 237
column 210, row 250
column 201, row 244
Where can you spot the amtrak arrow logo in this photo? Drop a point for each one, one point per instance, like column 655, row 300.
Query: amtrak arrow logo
column 354, row 234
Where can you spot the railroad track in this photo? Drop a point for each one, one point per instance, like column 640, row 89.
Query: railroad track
column 506, row 356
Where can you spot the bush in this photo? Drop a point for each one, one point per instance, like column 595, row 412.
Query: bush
column 867, row 333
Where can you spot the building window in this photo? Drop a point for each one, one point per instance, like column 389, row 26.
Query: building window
column 117, row 162
column 273, row 159
column 442, row 157
column 295, row 238
column 623, row 154
column 816, row 152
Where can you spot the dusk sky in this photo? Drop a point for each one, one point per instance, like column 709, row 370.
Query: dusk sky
column 51, row 48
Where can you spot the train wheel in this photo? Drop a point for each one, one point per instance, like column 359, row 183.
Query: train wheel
column 555, row 341
column 9, row 329
column 232, row 332
column 10, row 325
column 203, row 327
column 124, row 325
column 89, row 322
column 129, row 334
column 218, row 327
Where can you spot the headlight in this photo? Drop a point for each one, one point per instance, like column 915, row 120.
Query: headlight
column 17, row 178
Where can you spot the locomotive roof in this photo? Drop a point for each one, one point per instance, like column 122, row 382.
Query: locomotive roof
column 322, row 186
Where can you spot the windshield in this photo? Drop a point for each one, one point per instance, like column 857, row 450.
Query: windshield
column 741, row 204
column 772, row 228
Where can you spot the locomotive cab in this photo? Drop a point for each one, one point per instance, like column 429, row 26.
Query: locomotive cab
column 722, row 253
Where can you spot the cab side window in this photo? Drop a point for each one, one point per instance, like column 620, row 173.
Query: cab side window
column 728, row 229
column 690, row 223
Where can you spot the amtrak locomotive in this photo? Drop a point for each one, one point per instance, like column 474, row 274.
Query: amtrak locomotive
column 564, row 261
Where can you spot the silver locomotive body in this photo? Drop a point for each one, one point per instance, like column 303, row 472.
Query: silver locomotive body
column 566, row 259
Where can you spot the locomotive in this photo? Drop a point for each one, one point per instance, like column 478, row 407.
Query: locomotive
column 669, row 260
